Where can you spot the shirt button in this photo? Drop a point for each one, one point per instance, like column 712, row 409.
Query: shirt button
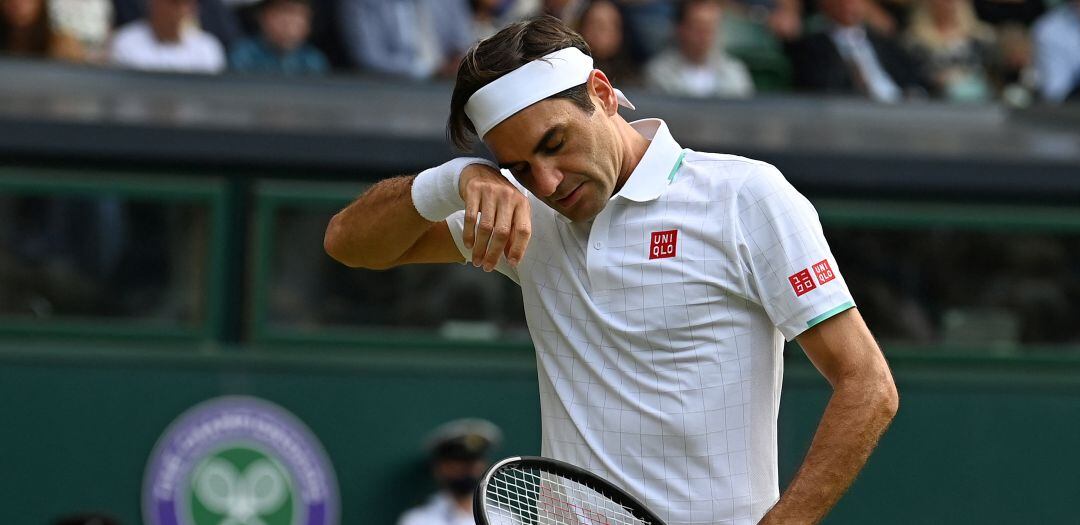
column 598, row 245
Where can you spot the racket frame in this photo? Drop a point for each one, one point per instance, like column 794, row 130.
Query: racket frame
column 566, row 470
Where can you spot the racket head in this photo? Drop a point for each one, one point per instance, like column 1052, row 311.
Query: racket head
column 533, row 490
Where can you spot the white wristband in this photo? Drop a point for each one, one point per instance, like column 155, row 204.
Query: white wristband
column 435, row 192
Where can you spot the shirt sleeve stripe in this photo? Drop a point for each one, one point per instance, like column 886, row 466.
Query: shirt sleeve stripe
column 811, row 323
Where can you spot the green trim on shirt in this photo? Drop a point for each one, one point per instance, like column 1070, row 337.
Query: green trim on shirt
column 675, row 169
column 830, row 313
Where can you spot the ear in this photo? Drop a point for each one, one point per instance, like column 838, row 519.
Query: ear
column 602, row 92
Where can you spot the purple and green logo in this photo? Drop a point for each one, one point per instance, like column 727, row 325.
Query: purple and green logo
column 239, row 461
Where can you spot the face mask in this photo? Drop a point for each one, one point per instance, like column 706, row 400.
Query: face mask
column 462, row 485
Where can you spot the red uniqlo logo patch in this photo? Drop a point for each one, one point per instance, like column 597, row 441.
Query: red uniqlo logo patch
column 662, row 245
column 824, row 272
column 802, row 282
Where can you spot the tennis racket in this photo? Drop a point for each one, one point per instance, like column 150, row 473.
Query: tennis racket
column 531, row 490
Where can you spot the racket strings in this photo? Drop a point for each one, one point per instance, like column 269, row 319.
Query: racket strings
column 531, row 496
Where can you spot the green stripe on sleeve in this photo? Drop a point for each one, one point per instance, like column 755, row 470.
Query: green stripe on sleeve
column 830, row 313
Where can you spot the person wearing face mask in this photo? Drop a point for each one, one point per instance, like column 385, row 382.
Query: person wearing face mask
column 458, row 458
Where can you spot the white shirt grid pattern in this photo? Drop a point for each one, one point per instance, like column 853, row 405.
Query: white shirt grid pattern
column 663, row 375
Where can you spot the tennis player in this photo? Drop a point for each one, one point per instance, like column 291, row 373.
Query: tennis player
column 659, row 285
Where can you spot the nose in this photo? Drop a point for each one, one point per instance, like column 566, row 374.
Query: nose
column 546, row 179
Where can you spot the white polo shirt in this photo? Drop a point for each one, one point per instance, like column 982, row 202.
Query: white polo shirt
column 659, row 327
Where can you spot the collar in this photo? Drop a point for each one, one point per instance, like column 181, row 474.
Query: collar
column 657, row 167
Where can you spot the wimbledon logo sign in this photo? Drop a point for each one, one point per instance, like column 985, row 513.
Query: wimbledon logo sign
column 239, row 461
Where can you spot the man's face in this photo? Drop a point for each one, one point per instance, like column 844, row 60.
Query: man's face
column 601, row 27
column 172, row 10
column 286, row 24
column 459, row 476
column 697, row 33
column 21, row 14
column 844, row 12
column 560, row 153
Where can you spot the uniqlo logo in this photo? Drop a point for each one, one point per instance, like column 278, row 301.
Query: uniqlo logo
column 662, row 245
column 801, row 282
column 824, row 272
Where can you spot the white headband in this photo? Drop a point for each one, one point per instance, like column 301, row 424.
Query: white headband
column 528, row 85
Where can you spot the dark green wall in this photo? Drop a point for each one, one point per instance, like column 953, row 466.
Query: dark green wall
column 976, row 441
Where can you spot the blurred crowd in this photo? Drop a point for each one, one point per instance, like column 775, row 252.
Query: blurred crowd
column 1017, row 51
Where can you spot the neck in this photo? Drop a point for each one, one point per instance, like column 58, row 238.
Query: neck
column 463, row 503
column 633, row 149
column 166, row 30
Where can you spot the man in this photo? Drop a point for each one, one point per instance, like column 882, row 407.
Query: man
column 417, row 39
column 1057, row 52
column 282, row 46
column 458, row 451
column 167, row 41
column 697, row 67
column 846, row 57
column 659, row 284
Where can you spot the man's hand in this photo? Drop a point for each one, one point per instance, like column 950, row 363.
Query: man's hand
column 505, row 225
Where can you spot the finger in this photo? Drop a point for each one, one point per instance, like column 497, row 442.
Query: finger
column 504, row 218
column 485, row 225
column 520, row 233
column 468, row 234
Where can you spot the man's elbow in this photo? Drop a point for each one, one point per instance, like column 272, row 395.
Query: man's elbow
column 888, row 397
column 336, row 245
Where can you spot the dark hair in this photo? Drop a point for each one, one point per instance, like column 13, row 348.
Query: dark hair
column 682, row 8
column 40, row 35
column 514, row 46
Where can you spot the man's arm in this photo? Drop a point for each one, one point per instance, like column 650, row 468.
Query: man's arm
column 863, row 403
column 382, row 228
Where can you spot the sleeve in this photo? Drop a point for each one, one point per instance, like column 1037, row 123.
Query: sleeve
column 456, row 222
column 789, row 268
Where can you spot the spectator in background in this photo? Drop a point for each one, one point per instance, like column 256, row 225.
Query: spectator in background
column 214, row 17
column 1057, row 52
column 696, row 67
column 601, row 26
column 89, row 21
column 649, row 25
column 485, row 18
column 27, row 30
column 954, row 48
column 281, row 47
column 565, row 10
column 846, row 57
column 168, row 40
column 458, row 459
column 411, row 38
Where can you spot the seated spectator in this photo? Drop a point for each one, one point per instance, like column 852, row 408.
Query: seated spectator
column 696, row 67
column 846, row 57
column 282, row 44
column 648, row 24
column 458, row 452
column 601, row 26
column 167, row 40
column 954, row 49
column 27, row 30
column 1057, row 52
column 565, row 10
column 485, row 18
column 410, row 38
column 214, row 17
column 88, row 21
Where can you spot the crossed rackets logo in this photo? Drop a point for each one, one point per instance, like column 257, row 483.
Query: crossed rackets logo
column 252, row 495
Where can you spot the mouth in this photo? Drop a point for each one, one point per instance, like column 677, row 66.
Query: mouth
column 571, row 197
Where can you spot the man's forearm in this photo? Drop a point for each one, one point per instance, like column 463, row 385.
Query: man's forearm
column 855, row 418
column 378, row 227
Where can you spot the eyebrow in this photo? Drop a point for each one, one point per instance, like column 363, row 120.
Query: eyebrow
column 540, row 145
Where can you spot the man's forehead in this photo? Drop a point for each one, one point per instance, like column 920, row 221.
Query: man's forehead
column 525, row 127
